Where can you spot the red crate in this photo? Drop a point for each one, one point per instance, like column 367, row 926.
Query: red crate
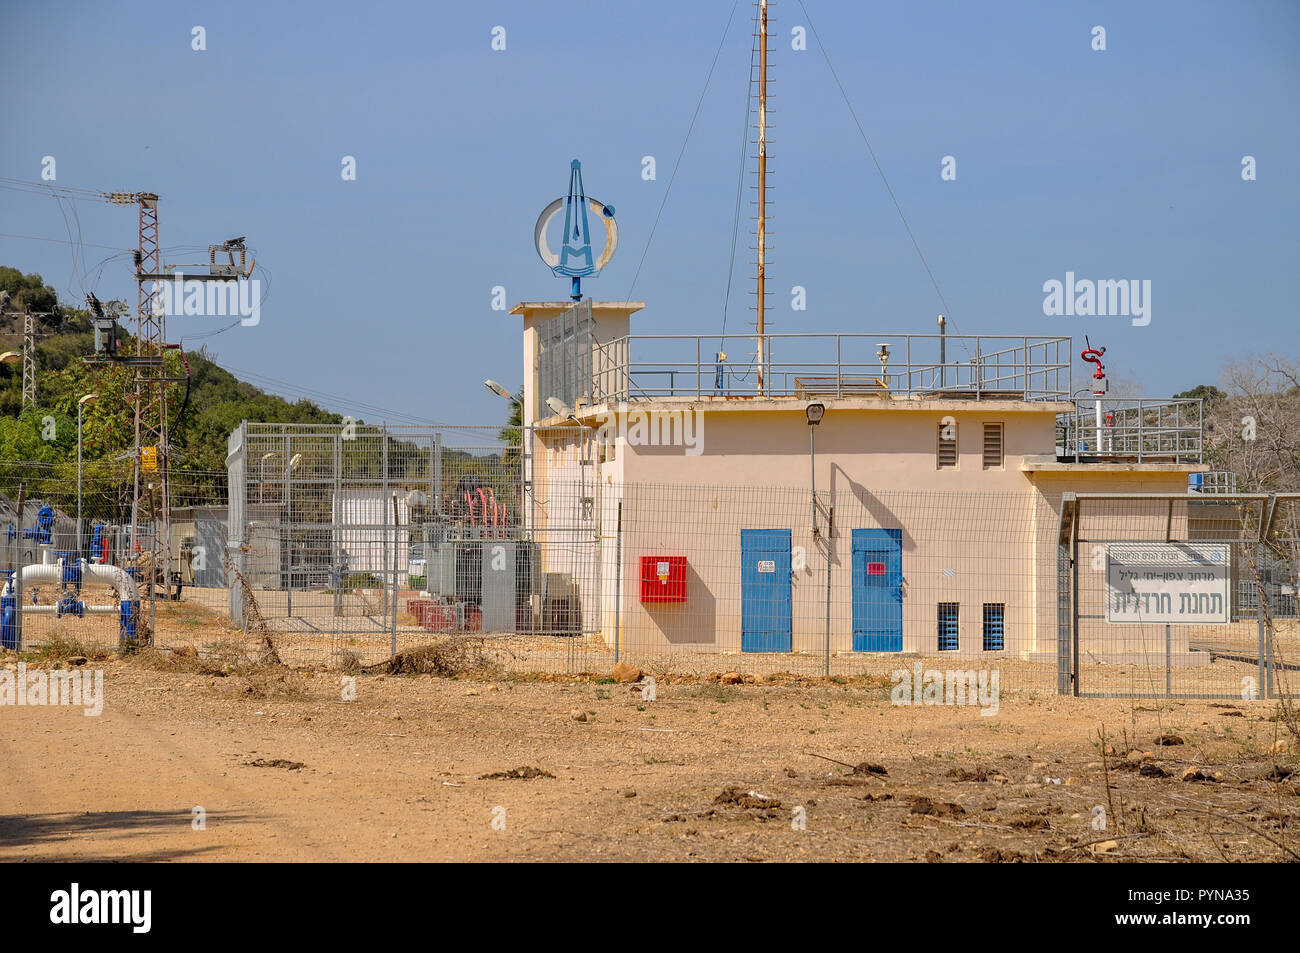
column 663, row 578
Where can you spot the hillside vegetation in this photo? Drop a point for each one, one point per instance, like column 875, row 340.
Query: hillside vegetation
column 216, row 403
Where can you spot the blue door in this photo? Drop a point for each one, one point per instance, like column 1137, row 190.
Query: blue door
column 765, row 590
column 877, row 590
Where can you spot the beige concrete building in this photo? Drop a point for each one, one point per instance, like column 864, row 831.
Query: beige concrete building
column 920, row 514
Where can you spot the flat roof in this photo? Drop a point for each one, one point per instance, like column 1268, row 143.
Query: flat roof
column 524, row 307
column 867, row 403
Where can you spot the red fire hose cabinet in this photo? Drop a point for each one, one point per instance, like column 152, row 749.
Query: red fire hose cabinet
column 663, row 578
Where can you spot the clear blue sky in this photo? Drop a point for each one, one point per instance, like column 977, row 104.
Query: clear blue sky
column 1117, row 164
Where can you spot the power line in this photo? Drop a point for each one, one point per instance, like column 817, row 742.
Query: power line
column 740, row 186
column 340, row 400
column 64, row 241
column 44, row 188
column 685, row 142
column 879, row 169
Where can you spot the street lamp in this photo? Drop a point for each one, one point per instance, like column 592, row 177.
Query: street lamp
column 584, row 511
column 814, row 413
column 261, row 474
column 87, row 399
column 288, row 481
column 525, row 458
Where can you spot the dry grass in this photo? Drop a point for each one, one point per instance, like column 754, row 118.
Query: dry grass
column 250, row 674
column 447, row 658
column 59, row 649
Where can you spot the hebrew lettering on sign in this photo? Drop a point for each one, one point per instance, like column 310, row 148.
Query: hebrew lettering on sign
column 1168, row 583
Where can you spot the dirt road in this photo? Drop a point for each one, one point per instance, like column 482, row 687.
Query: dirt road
column 287, row 769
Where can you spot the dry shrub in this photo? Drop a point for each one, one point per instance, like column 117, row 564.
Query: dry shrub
column 250, row 675
column 270, row 682
column 446, row 658
column 183, row 658
column 349, row 662
column 59, row 649
column 254, row 622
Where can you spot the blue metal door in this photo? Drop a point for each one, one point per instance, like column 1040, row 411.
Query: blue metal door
column 765, row 590
column 877, row 590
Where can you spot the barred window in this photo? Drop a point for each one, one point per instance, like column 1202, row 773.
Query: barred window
column 993, row 626
column 948, row 626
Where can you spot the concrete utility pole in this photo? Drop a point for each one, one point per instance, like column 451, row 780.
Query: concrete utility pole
column 762, row 188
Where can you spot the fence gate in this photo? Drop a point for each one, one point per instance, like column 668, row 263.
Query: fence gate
column 1180, row 596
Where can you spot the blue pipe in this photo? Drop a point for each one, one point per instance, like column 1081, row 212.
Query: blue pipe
column 130, row 612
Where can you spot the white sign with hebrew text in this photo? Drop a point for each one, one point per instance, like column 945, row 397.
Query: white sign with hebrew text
column 1168, row 583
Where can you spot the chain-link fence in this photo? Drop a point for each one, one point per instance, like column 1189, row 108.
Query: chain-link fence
column 74, row 557
column 359, row 542
column 362, row 541
column 1189, row 596
column 366, row 541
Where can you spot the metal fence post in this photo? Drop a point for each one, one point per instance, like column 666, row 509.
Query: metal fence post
column 1141, row 441
column 1262, row 661
column 830, row 524
column 1074, row 597
column 1169, row 661
column 18, row 571
column 618, row 579
column 336, row 547
column 396, row 530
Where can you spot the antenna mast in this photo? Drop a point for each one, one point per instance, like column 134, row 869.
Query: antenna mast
column 761, row 278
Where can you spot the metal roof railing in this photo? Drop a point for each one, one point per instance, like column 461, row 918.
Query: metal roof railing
column 801, row 366
column 1140, row 429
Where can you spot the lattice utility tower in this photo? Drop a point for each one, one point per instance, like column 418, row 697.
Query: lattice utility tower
column 29, row 359
column 151, row 450
column 152, row 447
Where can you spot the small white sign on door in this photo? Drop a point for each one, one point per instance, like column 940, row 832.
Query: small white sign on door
column 767, row 565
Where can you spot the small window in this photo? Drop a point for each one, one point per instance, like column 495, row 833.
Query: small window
column 993, row 629
column 947, row 445
column 993, row 454
column 947, row 627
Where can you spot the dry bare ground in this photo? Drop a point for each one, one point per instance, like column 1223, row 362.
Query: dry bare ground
column 481, row 766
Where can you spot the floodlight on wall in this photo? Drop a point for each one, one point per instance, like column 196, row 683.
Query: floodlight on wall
column 559, row 407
